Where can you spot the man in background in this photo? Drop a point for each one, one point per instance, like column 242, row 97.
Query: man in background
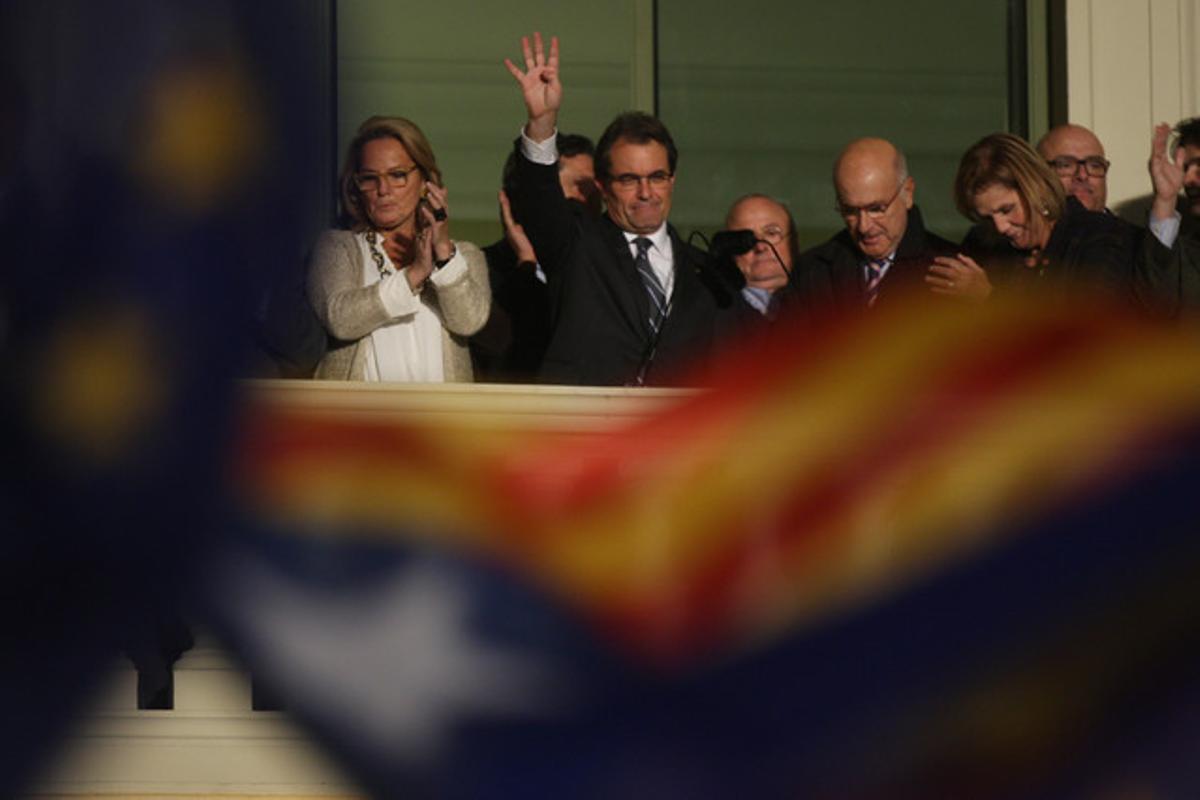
column 1175, row 173
column 767, row 266
column 1077, row 157
column 1167, row 278
column 510, row 346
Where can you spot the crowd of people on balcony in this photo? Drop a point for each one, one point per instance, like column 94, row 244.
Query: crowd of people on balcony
column 591, row 285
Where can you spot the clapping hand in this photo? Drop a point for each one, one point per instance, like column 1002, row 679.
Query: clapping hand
column 435, row 210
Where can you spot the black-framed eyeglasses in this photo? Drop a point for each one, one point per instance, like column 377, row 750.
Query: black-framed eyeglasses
column 629, row 180
column 1096, row 166
column 873, row 211
column 373, row 181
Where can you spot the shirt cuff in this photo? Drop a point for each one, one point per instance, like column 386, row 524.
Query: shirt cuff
column 397, row 296
column 1166, row 230
column 454, row 270
column 540, row 152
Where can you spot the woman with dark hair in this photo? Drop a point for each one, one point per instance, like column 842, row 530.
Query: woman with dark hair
column 1031, row 233
column 396, row 295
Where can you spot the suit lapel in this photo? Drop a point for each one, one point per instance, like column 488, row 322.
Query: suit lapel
column 849, row 282
column 686, row 283
column 908, row 268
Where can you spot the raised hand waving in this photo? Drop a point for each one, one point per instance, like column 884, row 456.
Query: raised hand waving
column 540, row 86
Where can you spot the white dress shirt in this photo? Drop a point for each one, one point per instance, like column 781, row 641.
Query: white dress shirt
column 409, row 348
column 1166, row 230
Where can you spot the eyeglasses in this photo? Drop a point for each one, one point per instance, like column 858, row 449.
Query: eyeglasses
column 373, row 181
column 1096, row 166
column 772, row 234
column 629, row 181
column 873, row 211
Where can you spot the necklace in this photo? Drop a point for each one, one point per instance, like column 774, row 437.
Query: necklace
column 1035, row 261
column 380, row 262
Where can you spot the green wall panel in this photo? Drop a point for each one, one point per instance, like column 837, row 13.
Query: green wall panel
column 762, row 100
column 441, row 65
column 759, row 97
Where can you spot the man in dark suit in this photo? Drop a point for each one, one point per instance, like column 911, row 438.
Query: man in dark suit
column 884, row 251
column 630, row 303
column 510, row 346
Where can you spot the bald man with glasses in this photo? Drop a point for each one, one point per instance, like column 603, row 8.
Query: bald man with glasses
column 884, row 252
column 1077, row 157
column 765, row 267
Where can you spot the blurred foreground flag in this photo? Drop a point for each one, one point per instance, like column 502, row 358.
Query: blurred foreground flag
column 144, row 214
column 918, row 555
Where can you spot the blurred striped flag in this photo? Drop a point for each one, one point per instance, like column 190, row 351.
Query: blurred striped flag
column 943, row 553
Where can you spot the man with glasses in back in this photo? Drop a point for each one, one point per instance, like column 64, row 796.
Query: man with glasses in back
column 766, row 266
column 631, row 304
column 1077, row 157
column 884, row 251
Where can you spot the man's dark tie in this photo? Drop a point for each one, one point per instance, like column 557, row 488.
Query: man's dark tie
column 658, row 298
column 875, row 269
